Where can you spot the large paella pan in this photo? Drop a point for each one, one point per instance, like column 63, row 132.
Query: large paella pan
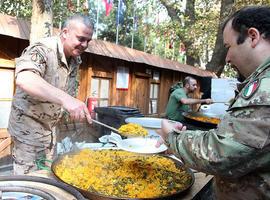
column 207, row 120
column 115, row 174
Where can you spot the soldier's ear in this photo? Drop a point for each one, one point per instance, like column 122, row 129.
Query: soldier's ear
column 255, row 36
column 64, row 33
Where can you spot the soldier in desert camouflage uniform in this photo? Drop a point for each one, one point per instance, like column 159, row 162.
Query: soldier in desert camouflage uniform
column 45, row 79
column 237, row 152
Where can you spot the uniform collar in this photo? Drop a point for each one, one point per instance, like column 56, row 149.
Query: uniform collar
column 265, row 65
column 260, row 69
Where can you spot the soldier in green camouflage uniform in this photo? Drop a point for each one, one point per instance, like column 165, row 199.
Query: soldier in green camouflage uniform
column 237, row 152
column 179, row 101
column 46, row 79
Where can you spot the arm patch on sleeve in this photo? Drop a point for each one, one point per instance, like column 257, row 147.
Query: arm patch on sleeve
column 37, row 57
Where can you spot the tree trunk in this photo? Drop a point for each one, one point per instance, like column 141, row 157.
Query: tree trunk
column 218, row 62
column 190, row 16
column 41, row 20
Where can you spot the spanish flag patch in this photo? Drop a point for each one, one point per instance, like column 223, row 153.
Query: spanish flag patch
column 251, row 88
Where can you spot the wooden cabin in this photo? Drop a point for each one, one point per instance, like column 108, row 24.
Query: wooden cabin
column 110, row 74
column 117, row 75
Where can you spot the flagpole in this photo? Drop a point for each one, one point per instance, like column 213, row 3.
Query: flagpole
column 133, row 30
column 144, row 46
column 97, row 19
column 155, row 46
column 165, row 43
column 173, row 51
column 61, row 15
column 78, row 5
column 117, row 21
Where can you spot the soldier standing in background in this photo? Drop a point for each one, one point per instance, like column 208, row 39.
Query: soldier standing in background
column 237, row 152
column 46, row 79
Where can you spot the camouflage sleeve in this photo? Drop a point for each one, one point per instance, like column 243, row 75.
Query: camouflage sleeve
column 32, row 59
column 248, row 118
column 207, row 152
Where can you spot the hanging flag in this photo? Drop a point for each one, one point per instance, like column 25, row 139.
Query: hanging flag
column 70, row 6
column 182, row 48
column 157, row 19
column 120, row 12
column 182, row 53
column 108, row 6
column 171, row 43
column 85, row 7
column 136, row 21
column 171, row 40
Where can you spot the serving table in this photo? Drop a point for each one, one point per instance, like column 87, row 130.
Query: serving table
column 202, row 181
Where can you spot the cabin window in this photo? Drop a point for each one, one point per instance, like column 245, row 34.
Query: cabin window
column 154, row 90
column 100, row 88
column 6, row 94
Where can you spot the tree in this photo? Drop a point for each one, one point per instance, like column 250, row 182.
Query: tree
column 41, row 20
column 217, row 62
column 19, row 8
column 197, row 20
column 109, row 25
column 197, row 25
column 192, row 25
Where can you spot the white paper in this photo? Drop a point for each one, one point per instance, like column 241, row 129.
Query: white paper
column 5, row 107
column 222, row 90
column 122, row 78
column 6, row 80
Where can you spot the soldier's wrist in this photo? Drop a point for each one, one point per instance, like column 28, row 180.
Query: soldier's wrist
column 168, row 140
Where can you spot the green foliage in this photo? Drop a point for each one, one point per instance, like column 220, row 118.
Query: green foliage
column 109, row 26
column 241, row 3
column 20, row 8
column 229, row 72
column 205, row 27
column 23, row 9
column 63, row 8
column 156, row 33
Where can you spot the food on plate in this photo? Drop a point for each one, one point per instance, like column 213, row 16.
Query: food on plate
column 132, row 129
column 123, row 174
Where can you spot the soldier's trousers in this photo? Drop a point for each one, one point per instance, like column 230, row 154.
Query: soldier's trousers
column 25, row 156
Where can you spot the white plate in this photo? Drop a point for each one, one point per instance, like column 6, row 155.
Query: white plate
column 141, row 145
column 146, row 122
column 149, row 123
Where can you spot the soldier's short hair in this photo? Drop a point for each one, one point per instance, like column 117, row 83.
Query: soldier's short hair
column 187, row 80
column 79, row 18
column 250, row 16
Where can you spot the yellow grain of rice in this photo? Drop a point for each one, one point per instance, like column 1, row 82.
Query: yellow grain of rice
column 132, row 129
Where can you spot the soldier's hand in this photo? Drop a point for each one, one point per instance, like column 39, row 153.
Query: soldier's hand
column 77, row 109
column 208, row 101
column 166, row 127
